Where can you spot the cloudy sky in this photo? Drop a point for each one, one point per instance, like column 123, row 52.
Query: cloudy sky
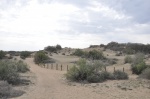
column 34, row 24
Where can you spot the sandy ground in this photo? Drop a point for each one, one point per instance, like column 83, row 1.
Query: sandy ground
column 51, row 84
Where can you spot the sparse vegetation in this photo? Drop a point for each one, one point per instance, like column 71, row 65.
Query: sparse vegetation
column 128, row 48
column 40, row 57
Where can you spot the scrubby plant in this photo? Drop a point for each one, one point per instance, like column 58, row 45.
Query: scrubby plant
column 92, row 72
column 95, row 55
column 138, row 64
column 84, row 71
column 146, row 73
column 7, row 91
column 40, row 57
column 24, row 54
column 8, row 72
column 78, row 52
column 2, row 54
column 120, row 75
column 128, row 59
column 22, row 67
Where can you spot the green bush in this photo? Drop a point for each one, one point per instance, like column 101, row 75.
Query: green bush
column 128, row 59
column 84, row 71
column 22, row 67
column 2, row 54
column 138, row 64
column 92, row 72
column 40, row 57
column 120, row 75
column 9, row 70
column 73, row 74
column 78, row 52
column 95, row 55
column 24, row 54
column 146, row 74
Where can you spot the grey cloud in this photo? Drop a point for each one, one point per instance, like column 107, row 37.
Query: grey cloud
column 139, row 9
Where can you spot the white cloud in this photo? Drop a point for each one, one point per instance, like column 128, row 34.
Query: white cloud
column 33, row 25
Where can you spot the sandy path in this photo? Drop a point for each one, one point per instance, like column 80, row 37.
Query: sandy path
column 51, row 85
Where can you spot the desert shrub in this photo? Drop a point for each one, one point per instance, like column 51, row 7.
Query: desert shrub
column 8, row 72
column 40, row 57
column 94, row 78
column 22, row 67
column 78, row 52
column 99, row 77
column 24, row 54
column 86, row 72
column 146, row 74
column 7, row 91
column 73, row 74
column 2, row 54
column 128, row 59
column 95, row 55
column 92, row 72
column 120, row 75
column 138, row 64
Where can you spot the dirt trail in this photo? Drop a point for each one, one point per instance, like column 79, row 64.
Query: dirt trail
column 51, row 85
